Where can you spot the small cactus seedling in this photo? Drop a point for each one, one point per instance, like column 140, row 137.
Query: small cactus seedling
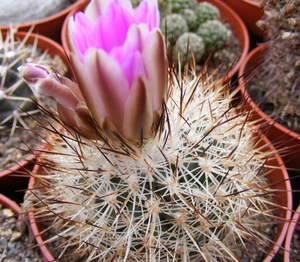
column 178, row 5
column 189, row 46
column 190, row 17
column 193, row 18
column 173, row 25
column 206, row 11
column 214, row 34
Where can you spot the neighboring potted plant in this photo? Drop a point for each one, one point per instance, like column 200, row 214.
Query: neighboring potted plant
column 18, row 104
column 47, row 17
column 250, row 11
column 292, row 241
column 232, row 36
column 270, row 76
column 149, row 164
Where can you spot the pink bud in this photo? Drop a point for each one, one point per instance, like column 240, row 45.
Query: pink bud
column 70, row 103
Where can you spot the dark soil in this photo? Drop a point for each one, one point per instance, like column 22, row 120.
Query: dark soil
column 16, row 245
column 260, row 97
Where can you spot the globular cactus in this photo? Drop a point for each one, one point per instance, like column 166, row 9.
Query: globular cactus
column 178, row 5
column 201, row 19
column 189, row 46
column 190, row 17
column 197, row 191
column 214, row 34
column 173, row 25
column 206, row 11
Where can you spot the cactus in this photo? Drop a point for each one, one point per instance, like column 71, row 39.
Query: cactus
column 173, row 25
column 196, row 191
column 206, row 11
column 17, row 98
column 189, row 46
column 202, row 20
column 214, row 34
column 190, row 17
column 280, row 69
column 178, row 5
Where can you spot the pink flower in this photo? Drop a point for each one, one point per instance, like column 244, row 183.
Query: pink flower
column 119, row 60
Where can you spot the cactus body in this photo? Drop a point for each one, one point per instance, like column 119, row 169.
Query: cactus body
column 190, row 17
column 194, row 192
column 189, row 46
column 173, row 25
column 178, row 5
column 206, row 11
column 214, row 34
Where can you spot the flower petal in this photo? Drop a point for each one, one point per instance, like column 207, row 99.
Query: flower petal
column 111, row 28
column 84, row 26
column 138, row 116
column 79, row 119
column 147, row 13
column 103, row 85
column 156, row 66
column 99, row 8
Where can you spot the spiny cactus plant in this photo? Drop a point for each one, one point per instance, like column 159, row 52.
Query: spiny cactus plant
column 280, row 70
column 197, row 191
column 178, row 5
column 173, row 26
column 188, row 18
column 189, row 46
column 167, row 171
column 214, row 35
column 17, row 99
column 206, row 11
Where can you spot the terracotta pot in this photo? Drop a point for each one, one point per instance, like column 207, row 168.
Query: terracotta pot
column 53, row 49
column 49, row 26
column 34, row 226
column 282, row 137
column 279, row 181
column 289, row 237
column 8, row 203
column 227, row 14
column 250, row 11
